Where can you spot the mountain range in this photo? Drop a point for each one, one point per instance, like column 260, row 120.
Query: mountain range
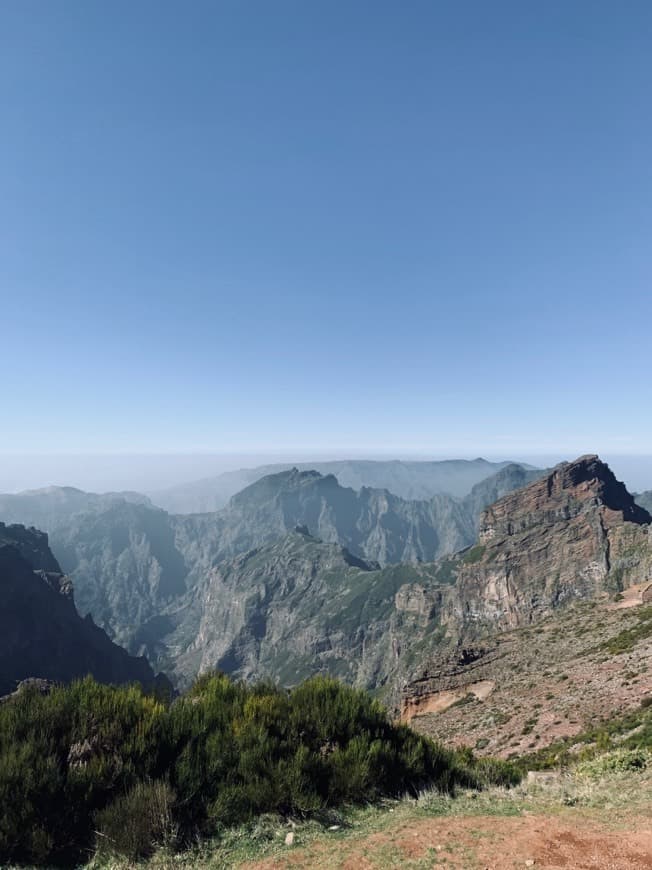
column 299, row 574
column 410, row 480
column 133, row 564
column 299, row 604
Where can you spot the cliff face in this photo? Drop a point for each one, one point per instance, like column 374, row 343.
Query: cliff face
column 574, row 534
column 296, row 607
column 41, row 633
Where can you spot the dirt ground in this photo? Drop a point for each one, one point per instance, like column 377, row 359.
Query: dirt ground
column 538, row 841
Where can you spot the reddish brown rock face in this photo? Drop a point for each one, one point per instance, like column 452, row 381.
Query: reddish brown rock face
column 575, row 534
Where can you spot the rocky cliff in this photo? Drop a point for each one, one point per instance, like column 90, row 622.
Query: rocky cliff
column 575, row 535
column 300, row 606
column 41, row 633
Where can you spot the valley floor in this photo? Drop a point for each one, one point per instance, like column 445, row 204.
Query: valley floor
column 555, row 821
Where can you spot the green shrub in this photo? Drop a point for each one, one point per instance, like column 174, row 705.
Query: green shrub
column 135, row 823
column 473, row 554
column 90, row 757
column 618, row 761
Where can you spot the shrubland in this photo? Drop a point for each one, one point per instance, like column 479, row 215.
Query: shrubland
column 91, row 767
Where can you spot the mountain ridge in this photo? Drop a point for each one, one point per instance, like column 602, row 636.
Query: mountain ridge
column 408, row 479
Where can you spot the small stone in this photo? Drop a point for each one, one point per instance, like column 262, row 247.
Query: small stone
column 289, row 838
column 530, row 862
column 334, row 828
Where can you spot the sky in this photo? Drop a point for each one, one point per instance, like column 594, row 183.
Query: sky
column 331, row 226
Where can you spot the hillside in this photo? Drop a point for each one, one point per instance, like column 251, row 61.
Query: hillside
column 518, row 691
column 41, row 633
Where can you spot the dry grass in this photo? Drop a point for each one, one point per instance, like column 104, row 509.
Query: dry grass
column 375, row 836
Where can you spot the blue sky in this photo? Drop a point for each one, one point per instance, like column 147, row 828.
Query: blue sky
column 264, row 226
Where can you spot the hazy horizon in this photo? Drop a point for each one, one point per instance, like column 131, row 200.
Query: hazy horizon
column 149, row 473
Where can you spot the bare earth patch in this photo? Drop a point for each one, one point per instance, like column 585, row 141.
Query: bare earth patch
column 486, row 842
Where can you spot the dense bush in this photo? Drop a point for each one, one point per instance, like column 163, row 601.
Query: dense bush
column 135, row 822
column 89, row 758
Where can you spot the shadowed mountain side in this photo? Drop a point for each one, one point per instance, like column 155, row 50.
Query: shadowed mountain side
column 41, row 633
column 124, row 564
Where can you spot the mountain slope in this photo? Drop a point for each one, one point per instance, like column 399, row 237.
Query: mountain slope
column 124, row 564
column 55, row 506
column 295, row 607
column 573, row 534
column 413, row 480
column 644, row 499
column 299, row 605
column 41, row 633
column 572, row 537
column 132, row 565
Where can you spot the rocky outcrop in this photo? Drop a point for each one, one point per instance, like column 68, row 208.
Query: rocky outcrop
column 41, row 633
column 574, row 534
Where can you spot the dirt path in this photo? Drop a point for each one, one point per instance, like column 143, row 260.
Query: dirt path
column 489, row 842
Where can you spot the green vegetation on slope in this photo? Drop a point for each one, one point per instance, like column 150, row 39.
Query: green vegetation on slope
column 627, row 639
column 632, row 732
column 88, row 757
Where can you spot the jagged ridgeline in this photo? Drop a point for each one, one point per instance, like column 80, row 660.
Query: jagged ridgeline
column 299, row 575
column 145, row 575
column 407, row 479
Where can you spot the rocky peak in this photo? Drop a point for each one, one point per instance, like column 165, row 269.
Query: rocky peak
column 31, row 545
column 570, row 489
column 574, row 534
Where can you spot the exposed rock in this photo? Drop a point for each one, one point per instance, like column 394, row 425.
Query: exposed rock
column 297, row 607
column 575, row 535
column 136, row 569
column 41, row 633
